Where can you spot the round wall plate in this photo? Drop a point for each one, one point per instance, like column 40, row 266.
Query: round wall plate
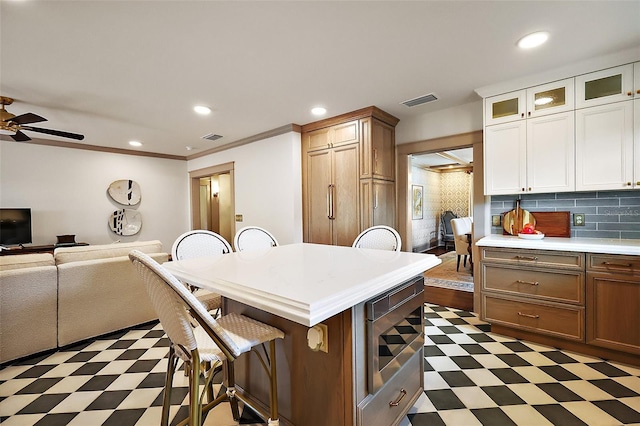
column 125, row 192
column 125, row 222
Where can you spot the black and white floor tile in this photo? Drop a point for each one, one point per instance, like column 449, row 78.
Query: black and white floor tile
column 472, row 377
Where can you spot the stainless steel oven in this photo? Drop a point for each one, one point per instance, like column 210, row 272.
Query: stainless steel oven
column 395, row 330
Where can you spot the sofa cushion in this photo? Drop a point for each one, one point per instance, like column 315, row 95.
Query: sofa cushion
column 74, row 254
column 20, row 261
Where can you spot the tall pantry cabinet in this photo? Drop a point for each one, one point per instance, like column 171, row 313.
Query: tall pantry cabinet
column 348, row 175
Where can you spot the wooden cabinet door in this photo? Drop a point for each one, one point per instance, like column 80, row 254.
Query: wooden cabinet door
column 377, row 202
column 505, row 158
column 346, row 193
column 604, row 147
column 551, row 153
column 612, row 311
column 317, row 139
column 318, row 181
column 377, row 158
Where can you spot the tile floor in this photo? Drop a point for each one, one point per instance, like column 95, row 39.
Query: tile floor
column 472, row 377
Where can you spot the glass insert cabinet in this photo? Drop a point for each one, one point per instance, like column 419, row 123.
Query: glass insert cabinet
column 545, row 99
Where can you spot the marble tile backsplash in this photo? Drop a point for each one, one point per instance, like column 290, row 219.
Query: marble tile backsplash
column 610, row 214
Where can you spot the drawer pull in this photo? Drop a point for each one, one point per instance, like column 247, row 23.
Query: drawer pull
column 528, row 282
column 397, row 401
column 528, row 315
column 530, row 258
column 620, row 265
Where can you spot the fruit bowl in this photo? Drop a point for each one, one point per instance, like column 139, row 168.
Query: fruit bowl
column 535, row 236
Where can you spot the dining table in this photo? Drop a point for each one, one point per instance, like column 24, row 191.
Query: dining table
column 302, row 287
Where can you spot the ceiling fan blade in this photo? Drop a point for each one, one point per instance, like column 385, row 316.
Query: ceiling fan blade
column 27, row 118
column 20, row 137
column 54, row 132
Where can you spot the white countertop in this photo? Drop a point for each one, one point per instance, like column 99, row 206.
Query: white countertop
column 305, row 283
column 587, row 245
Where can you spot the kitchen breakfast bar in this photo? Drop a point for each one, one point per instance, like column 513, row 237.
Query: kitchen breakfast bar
column 353, row 324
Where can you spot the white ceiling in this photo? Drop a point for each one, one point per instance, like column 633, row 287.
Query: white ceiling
column 445, row 159
column 122, row 70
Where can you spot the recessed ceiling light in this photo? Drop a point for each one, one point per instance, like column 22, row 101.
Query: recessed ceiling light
column 318, row 111
column 202, row 110
column 135, row 143
column 533, row 40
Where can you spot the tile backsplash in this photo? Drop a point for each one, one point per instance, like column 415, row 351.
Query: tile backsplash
column 608, row 214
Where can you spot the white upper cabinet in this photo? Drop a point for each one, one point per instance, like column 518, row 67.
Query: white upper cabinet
column 604, row 147
column 605, row 87
column 545, row 99
column 530, row 156
column 550, row 98
column 505, row 108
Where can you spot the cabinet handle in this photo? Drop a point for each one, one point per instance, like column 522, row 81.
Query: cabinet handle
column 375, row 203
column 522, row 115
column 330, row 201
column 397, row 401
column 529, row 258
column 638, row 91
column 522, row 189
column 528, row 282
column 375, row 160
column 529, row 188
column 629, row 93
column 628, row 183
column 528, row 315
column 529, row 113
column 619, row 265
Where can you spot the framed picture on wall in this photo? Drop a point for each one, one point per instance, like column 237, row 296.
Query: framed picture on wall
column 416, row 202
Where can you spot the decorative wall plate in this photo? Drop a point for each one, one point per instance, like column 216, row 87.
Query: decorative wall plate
column 125, row 192
column 125, row 222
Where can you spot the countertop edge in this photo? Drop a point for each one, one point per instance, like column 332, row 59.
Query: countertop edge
column 586, row 245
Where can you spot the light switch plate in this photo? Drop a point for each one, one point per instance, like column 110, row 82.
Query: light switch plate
column 578, row 219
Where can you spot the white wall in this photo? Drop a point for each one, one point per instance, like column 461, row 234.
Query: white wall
column 424, row 231
column 451, row 121
column 268, row 184
column 67, row 192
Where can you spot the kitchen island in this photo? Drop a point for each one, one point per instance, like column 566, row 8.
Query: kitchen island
column 300, row 286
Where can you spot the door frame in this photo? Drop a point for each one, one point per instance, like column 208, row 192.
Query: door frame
column 481, row 203
column 194, row 184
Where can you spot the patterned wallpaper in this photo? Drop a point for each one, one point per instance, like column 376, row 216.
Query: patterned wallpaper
column 442, row 191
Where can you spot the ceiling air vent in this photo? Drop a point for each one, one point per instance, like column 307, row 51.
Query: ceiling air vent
column 211, row 137
column 420, row 100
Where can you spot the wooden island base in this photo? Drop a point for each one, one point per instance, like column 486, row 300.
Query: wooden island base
column 318, row 388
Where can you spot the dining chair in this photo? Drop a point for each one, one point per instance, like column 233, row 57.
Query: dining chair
column 447, row 232
column 461, row 226
column 253, row 237
column 198, row 243
column 379, row 237
column 211, row 342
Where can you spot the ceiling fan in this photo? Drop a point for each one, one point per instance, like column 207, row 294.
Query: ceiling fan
column 12, row 125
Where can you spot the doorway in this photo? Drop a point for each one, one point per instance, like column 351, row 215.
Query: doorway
column 212, row 200
column 481, row 211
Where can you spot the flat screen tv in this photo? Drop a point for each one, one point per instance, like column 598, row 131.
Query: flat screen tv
column 15, row 226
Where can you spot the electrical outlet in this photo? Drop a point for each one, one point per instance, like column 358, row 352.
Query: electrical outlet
column 578, row 219
column 239, row 218
column 495, row 220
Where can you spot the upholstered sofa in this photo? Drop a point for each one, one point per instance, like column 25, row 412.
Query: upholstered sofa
column 99, row 291
column 28, row 305
column 49, row 301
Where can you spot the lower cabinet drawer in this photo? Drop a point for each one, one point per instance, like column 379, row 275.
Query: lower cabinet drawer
column 617, row 264
column 562, row 286
column 564, row 321
column 389, row 405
